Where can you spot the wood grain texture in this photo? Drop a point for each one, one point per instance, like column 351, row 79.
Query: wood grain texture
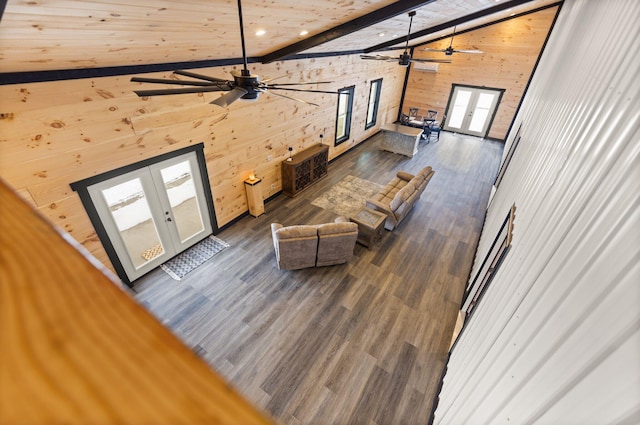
column 359, row 343
column 510, row 48
column 74, row 34
column 52, row 134
column 77, row 349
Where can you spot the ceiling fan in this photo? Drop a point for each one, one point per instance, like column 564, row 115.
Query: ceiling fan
column 243, row 86
column 405, row 58
column 450, row 50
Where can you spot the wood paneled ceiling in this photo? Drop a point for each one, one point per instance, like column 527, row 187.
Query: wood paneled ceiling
column 78, row 34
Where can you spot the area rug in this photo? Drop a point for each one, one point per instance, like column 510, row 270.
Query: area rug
column 193, row 257
column 347, row 196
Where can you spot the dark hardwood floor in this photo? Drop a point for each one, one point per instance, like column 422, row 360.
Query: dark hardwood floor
column 360, row 343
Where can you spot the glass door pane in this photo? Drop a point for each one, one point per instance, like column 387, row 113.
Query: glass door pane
column 179, row 184
column 459, row 110
column 481, row 112
column 131, row 213
column 128, row 207
column 184, row 208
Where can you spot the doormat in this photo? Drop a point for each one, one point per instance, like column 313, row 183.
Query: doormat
column 152, row 252
column 348, row 196
column 193, row 257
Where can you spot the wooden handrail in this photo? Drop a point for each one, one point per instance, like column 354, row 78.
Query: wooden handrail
column 76, row 348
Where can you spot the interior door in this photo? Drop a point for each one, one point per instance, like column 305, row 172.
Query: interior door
column 471, row 109
column 153, row 213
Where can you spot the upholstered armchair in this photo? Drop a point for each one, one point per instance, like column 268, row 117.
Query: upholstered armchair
column 336, row 242
column 296, row 246
column 304, row 246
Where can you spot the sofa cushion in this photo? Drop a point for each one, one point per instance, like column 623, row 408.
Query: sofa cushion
column 425, row 171
column 299, row 231
column 397, row 183
column 336, row 242
column 402, row 195
column 417, row 180
column 336, row 228
column 404, row 175
column 389, row 194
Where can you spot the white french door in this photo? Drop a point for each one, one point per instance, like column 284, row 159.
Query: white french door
column 471, row 110
column 153, row 213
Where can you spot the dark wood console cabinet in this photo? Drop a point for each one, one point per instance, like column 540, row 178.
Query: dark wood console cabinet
column 304, row 169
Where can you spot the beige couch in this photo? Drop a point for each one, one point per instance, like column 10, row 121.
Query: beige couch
column 400, row 195
column 303, row 246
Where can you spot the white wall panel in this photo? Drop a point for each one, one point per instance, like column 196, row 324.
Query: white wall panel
column 556, row 338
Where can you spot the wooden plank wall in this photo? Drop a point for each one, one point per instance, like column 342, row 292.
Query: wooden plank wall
column 55, row 133
column 79, row 350
column 510, row 48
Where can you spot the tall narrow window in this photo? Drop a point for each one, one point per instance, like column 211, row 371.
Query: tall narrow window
column 343, row 117
column 374, row 100
column 490, row 264
column 507, row 159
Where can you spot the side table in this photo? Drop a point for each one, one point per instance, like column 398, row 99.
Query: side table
column 370, row 225
column 254, row 197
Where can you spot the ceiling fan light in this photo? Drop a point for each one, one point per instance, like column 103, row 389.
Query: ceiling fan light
column 250, row 97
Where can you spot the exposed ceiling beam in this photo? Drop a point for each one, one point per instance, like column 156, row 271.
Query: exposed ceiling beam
column 476, row 15
column 394, row 9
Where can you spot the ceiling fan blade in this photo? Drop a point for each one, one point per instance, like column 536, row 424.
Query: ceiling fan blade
column 431, row 60
column 468, row 51
column 274, row 87
column 434, row 50
column 378, row 57
column 275, row 78
column 184, row 90
column 200, row 76
column 300, row 84
column 167, row 81
column 293, row 98
column 228, row 98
